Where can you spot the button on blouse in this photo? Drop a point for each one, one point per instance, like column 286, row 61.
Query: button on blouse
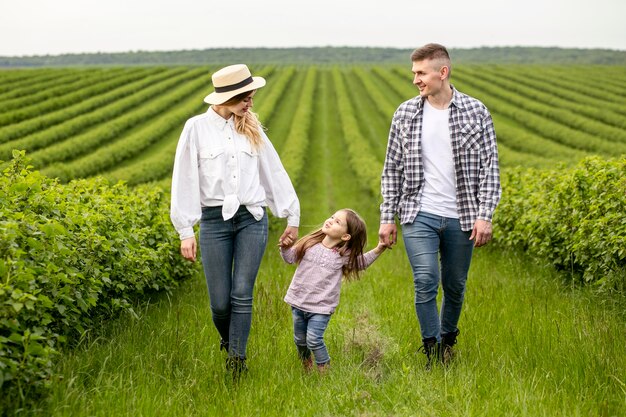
column 216, row 166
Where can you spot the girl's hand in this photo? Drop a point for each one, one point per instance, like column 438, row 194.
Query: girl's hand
column 188, row 248
column 380, row 248
column 289, row 237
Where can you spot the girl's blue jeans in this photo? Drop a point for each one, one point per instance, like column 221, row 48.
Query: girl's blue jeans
column 308, row 333
column 438, row 250
column 231, row 255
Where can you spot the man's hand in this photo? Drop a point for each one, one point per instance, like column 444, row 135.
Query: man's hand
column 289, row 237
column 481, row 233
column 188, row 248
column 388, row 234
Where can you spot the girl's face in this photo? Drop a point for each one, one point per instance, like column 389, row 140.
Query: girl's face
column 336, row 226
column 243, row 106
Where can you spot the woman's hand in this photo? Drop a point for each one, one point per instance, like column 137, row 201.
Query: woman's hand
column 289, row 236
column 188, row 248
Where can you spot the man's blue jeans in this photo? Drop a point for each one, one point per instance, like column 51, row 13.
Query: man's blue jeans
column 308, row 334
column 231, row 255
column 431, row 241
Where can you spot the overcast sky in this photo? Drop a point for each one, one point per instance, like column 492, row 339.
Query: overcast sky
column 38, row 27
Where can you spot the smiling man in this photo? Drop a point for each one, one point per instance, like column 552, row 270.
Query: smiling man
column 441, row 179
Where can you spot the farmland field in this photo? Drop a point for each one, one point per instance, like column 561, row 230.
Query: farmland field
column 529, row 345
column 123, row 123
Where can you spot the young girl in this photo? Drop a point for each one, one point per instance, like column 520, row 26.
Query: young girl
column 323, row 257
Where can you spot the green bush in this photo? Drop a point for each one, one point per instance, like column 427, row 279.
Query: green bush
column 71, row 255
column 575, row 218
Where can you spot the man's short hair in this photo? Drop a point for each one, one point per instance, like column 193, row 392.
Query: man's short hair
column 432, row 51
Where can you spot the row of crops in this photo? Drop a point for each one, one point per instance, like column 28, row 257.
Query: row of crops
column 123, row 123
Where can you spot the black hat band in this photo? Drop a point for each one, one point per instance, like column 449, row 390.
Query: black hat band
column 232, row 87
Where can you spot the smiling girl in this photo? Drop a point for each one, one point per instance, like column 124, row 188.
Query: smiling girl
column 324, row 257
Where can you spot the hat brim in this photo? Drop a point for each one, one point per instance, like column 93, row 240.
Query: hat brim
column 219, row 98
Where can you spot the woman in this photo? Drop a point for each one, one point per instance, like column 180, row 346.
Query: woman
column 226, row 172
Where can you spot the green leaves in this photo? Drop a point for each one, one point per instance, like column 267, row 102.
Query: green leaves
column 70, row 255
column 574, row 218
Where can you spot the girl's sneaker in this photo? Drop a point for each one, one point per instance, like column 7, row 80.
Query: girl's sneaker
column 323, row 368
column 307, row 364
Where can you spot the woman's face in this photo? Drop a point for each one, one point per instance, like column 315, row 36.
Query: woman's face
column 243, row 106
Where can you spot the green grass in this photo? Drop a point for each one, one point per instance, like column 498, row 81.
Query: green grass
column 528, row 347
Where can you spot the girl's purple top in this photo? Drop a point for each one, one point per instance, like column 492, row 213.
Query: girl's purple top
column 315, row 285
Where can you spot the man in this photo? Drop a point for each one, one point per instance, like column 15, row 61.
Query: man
column 441, row 178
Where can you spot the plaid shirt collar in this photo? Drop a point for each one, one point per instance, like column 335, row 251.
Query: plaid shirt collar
column 456, row 101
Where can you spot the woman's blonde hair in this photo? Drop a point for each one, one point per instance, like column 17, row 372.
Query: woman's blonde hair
column 352, row 248
column 248, row 124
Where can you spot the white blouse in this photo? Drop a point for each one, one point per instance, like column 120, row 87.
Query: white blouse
column 216, row 166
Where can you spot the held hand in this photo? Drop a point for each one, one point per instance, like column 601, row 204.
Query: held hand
column 188, row 248
column 387, row 234
column 481, row 233
column 380, row 248
column 289, row 237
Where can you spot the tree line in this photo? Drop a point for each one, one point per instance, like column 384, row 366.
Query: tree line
column 322, row 55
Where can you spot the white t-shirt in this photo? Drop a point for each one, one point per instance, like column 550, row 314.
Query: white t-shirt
column 439, row 194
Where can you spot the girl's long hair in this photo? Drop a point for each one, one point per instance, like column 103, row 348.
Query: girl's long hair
column 248, row 125
column 353, row 247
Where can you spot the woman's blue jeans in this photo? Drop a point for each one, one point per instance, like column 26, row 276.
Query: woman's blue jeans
column 308, row 333
column 438, row 250
column 231, row 255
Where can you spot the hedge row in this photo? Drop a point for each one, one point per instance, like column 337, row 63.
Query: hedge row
column 359, row 152
column 99, row 96
column 297, row 146
column 545, row 124
column 71, row 255
column 104, row 115
column 574, row 218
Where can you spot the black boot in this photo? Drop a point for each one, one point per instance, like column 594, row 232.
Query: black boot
column 236, row 366
column 430, row 348
column 448, row 340
column 224, row 345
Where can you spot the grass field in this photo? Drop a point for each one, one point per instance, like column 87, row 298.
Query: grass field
column 529, row 345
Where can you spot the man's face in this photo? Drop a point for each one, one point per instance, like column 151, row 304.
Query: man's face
column 428, row 76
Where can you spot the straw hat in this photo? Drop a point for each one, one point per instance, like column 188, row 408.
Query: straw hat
column 230, row 81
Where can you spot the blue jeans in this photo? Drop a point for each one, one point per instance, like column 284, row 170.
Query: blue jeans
column 231, row 255
column 431, row 241
column 308, row 333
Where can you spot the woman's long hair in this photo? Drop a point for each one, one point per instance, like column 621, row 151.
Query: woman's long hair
column 248, row 125
column 353, row 247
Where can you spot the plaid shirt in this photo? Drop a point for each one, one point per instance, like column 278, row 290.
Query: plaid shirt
column 475, row 155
